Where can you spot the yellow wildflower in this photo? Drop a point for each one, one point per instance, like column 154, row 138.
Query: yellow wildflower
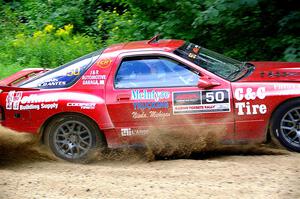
column 37, row 34
column 61, row 32
column 69, row 28
column 49, row 28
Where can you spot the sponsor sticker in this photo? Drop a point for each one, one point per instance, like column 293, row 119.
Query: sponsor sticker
column 150, row 105
column 150, row 114
column 149, row 95
column 196, row 49
column 194, row 102
column 125, row 132
column 37, row 106
column 187, row 98
column 156, row 108
column 250, row 94
column 275, row 74
column 94, row 78
column 16, row 101
column 286, row 86
column 52, row 82
column 90, row 106
column 104, row 63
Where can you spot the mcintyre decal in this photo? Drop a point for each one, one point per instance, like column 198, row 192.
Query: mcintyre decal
column 150, row 105
column 16, row 101
column 157, row 109
column 249, row 94
column 150, row 114
column 149, row 95
column 194, row 102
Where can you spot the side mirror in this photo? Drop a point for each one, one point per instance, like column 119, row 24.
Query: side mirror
column 206, row 82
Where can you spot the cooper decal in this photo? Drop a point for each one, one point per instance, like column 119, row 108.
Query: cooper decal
column 83, row 105
column 201, row 102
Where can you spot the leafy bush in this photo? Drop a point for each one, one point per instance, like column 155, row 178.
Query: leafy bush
column 245, row 30
column 118, row 27
column 46, row 48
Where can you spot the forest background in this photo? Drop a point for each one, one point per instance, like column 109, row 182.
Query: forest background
column 49, row 33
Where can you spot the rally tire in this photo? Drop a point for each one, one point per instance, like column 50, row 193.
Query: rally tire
column 74, row 138
column 285, row 125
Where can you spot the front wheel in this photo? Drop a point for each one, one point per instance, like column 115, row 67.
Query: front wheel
column 285, row 125
column 73, row 138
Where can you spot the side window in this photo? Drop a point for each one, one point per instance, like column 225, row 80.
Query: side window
column 147, row 72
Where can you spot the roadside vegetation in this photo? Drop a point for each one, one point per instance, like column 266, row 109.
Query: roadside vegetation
column 38, row 33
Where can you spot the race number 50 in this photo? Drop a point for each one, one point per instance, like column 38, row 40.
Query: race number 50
column 215, row 96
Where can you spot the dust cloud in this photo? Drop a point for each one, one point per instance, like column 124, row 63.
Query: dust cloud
column 200, row 144
column 182, row 143
column 21, row 147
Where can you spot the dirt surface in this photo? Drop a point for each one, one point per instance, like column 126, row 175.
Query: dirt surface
column 28, row 170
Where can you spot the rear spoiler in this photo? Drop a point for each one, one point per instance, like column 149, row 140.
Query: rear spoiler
column 13, row 88
column 21, row 76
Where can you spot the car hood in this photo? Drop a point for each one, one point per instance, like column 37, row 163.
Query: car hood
column 274, row 72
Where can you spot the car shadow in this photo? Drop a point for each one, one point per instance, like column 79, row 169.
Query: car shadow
column 254, row 150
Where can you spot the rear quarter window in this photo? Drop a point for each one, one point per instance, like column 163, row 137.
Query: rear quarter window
column 65, row 75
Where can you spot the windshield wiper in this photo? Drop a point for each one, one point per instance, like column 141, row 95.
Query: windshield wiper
column 245, row 67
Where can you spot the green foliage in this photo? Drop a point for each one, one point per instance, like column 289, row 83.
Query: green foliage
column 243, row 29
column 116, row 27
column 47, row 48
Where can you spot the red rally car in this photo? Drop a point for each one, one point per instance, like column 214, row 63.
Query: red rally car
column 112, row 97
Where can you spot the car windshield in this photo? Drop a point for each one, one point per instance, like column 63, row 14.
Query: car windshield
column 216, row 63
column 65, row 75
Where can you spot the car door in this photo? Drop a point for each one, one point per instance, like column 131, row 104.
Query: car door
column 155, row 90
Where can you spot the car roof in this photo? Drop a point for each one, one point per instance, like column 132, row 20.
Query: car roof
column 162, row 45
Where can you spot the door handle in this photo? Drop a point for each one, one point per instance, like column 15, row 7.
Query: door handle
column 122, row 97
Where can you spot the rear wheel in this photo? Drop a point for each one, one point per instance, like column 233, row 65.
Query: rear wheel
column 73, row 138
column 285, row 125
